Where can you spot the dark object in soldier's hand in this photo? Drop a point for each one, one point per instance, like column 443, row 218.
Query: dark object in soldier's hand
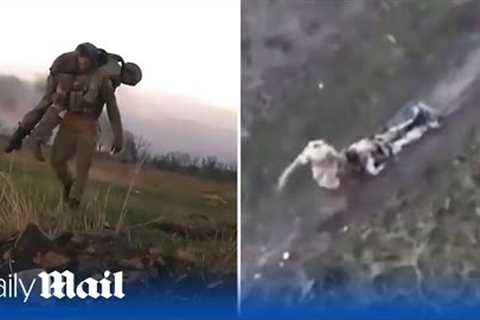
column 115, row 149
column 15, row 142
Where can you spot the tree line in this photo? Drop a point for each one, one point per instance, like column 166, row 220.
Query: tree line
column 137, row 148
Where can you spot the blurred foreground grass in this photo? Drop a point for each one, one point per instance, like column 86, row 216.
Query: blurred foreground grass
column 168, row 210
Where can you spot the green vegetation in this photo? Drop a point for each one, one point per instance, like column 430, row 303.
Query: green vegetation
column 172, row 211
column 367, row 79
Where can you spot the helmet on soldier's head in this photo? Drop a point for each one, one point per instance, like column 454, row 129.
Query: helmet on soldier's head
column 85, row 45
column 102, row 57
column 131, row 74
column 89, row 51
column 352, row 157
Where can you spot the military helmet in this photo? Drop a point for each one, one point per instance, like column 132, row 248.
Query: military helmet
column 131, row 74
column 352, row 157
column 102, row 57
column 89, row 51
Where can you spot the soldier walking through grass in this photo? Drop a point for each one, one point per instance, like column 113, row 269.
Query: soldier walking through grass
column 78, row 132
column 79, row 85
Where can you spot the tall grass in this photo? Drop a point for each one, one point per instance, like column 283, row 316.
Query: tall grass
column 21, row 205
column 131, row 185
column 29, row 195
column 16, row 210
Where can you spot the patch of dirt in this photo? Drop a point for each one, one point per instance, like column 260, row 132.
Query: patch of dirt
column 158, row 272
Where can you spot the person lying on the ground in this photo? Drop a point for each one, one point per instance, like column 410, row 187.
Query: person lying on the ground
column 325, row 161
column 80, row 88
column 369, row 155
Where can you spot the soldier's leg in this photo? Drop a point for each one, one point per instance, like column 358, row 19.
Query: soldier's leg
column 50, row 120
column 43, row 131
column 32, row 117
column 63, row 150
column 86, row 146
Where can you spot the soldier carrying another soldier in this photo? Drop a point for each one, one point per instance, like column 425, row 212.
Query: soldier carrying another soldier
column 47, row 113
column 79, row 85
column 78, row 132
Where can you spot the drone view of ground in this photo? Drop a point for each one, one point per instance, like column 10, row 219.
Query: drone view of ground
column 145, row 219
column 339, row 70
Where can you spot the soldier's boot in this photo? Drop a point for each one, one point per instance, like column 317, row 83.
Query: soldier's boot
column 74, row 204
column 36, row 147
column 15, row 142
column 67, row 187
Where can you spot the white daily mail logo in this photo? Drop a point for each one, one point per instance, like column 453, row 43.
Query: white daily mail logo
column 62, row 285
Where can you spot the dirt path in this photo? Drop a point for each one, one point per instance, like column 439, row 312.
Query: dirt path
column 309, row 220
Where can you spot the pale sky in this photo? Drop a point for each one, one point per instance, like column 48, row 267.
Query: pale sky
column 184, row 47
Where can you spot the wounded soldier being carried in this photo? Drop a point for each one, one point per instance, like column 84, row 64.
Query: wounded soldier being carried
column 369, row 155
column 66, row 86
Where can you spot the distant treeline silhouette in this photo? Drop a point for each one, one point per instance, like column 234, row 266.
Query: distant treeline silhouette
column 137, row 149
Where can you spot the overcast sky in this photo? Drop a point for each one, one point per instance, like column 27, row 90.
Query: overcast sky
column 185, row 47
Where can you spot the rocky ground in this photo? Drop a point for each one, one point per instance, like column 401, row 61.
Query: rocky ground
column 418, row 250
column 411, row 234
column 421, row 249
column 154, row 272
column 172, row 234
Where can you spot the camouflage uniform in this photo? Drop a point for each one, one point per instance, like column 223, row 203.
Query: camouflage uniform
column 52, row 116
column 62, row 97
column 78, row 135
column 64, row 64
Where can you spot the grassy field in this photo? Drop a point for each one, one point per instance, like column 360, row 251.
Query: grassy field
column 170, row 211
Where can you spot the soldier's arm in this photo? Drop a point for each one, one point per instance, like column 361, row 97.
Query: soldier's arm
column 373, row 168
column 301, row 160
column 113, row 114
column 64, row 63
